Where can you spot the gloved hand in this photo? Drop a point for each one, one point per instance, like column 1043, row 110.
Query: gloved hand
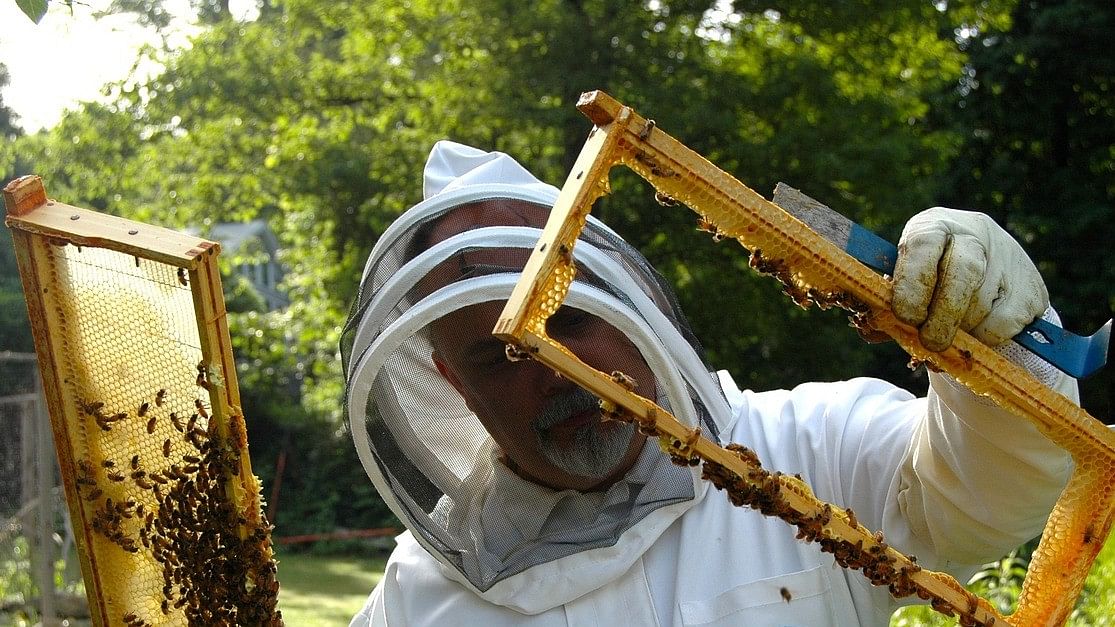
column 959, row 269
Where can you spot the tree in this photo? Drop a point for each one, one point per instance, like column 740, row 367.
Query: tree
column 15, row 330
column 1036, row 112
column 318, row 118
column 8, row 118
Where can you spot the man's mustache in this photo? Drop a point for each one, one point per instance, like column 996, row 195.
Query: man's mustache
column 562, row 407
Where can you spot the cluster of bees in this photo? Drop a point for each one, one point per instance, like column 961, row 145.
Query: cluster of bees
column 763, row 490
column 215, row 558
column 859, row 313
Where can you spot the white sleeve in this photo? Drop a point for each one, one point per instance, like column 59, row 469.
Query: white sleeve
column 950, row 478
column 373, row 613
column 979, row 480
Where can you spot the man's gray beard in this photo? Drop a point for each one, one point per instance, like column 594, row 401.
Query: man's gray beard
column 594, row 452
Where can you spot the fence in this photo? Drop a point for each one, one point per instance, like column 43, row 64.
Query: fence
column 40, row 580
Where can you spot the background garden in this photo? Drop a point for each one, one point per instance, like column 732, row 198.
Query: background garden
column 316, row 118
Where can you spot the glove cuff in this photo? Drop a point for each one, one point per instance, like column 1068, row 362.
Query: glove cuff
column 1042, row 370
column 1046, row 373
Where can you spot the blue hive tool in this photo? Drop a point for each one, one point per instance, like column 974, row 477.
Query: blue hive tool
column 1076, row 355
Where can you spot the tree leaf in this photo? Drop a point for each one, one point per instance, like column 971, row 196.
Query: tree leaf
column 34, row 9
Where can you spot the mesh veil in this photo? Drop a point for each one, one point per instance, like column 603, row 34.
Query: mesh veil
column 428, row 454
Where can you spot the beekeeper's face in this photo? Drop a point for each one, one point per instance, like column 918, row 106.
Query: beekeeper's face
column 549, row 430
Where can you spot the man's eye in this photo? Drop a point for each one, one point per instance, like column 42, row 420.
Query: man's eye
column 567, row 319
column 489, row 357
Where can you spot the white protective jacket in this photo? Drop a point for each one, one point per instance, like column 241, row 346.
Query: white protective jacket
column 950, row 478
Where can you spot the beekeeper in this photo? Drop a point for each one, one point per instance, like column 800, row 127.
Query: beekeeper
column 523, row 507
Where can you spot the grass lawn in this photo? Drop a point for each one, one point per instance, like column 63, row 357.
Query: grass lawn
column 320, row 590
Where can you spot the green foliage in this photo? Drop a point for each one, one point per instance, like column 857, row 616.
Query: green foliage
column 1036, row 113
column 1001, row 583
column 34, row 9
column 317, row 118
column 8, row 118
column 15, row 330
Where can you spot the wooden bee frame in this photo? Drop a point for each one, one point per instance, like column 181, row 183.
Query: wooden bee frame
column 134, row 351
column 813, row 271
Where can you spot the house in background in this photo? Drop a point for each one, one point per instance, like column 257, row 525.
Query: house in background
column 254, row 249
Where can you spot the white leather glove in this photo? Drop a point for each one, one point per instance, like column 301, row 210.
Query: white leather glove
column 959, row 269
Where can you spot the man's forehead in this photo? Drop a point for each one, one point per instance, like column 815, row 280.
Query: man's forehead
column 491, row 212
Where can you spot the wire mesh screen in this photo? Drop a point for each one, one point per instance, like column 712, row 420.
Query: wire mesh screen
column 150, row 441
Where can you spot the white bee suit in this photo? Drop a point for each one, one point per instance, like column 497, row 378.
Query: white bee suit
column 927, row 479
column 949, row 478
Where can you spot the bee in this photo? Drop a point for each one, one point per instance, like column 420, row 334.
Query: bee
column 566, row 254
column 174, row 419
column 108, row 463
column 116, row 476
column 625, row 380
column 852, row 522
column 157, row 478
column 202, row 375
column 166, row 447
column 514, row 353
column 190, row 459
column 93, row 408
column 143, row 409
column 786, row 596
column 94, row 495
column 182, row 277
column 196, row 437
column 165, row 607
column 151, row 425
column 664, row 199
column 160, row 397
column 201, row 408
column 138, row 474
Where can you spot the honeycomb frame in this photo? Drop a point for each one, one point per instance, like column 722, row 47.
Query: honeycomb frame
column 812, row 271
column 133, row 347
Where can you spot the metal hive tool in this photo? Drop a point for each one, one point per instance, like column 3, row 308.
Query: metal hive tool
column 133, row 345
column 812, row 271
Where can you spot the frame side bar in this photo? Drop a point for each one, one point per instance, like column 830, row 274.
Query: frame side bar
column 586, row 182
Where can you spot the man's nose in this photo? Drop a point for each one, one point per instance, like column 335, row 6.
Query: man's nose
column 547, row 381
